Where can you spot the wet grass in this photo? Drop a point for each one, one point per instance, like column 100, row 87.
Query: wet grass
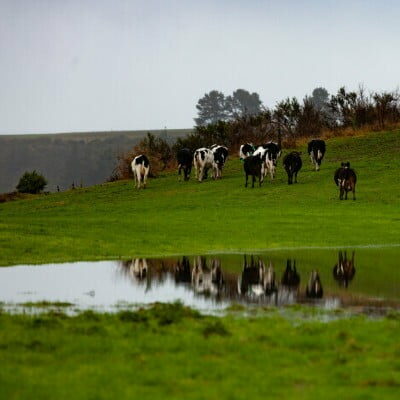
column 170, row 217
column 170, row 351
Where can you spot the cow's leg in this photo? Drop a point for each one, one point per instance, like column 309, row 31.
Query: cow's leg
column 354, row 192
column 295, row 177
column 259, row 180
column 146, row 172
column 201, row 169
column 290, row 177
column 247, row 178
column 139, row 177
column 253, row 180
column 134, row 179
column 215, row 173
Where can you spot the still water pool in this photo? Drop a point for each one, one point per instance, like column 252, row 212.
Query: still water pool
column 361, row 279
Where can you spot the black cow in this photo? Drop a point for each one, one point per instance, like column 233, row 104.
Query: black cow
column 316, row 151
column 220, row 157
column 292, row 163
column 314, row 287
column 253, row 166
column 185, row 160
column 346, row 178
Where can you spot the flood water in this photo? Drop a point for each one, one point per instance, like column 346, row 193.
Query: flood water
column 360, row 279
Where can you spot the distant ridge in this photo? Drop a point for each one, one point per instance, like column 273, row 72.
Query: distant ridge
column 80, row 157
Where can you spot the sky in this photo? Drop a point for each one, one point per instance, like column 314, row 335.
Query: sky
column 90, row 65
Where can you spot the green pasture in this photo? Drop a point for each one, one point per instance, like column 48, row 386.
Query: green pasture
column 170, row 217
column 170, row 352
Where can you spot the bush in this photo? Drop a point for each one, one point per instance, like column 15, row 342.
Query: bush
column 157, row 149
column 31, row 182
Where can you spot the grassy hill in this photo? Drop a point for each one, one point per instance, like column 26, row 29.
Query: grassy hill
column 63, row 158
column 171, row 217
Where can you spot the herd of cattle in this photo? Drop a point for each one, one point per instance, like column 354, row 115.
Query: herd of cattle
column 255, row 282
column 258, row 161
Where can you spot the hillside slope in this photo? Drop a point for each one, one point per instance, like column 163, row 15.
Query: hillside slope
column 171, row 217
column 63, row 158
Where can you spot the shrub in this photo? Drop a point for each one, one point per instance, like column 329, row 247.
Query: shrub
column 157, row 149
column 31, row 182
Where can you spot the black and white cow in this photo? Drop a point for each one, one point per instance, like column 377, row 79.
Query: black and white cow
column 274, row 148
column 140, row 168
column 346, row 178
column 220, row 157
column 203, row 160
column 253, row 166
column 185, row 161
column 316, row 150
column 269, row 154
column 292, row 163
column 246, row 150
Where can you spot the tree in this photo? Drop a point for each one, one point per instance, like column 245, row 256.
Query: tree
column 211, row 108
column 31, row 182
column 320, row 99
column 243, row 103
column 384, row 102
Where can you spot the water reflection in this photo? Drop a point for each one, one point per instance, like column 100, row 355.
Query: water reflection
column 314, row 286
column 273, row 278
column 256, row 283
column 344, row 270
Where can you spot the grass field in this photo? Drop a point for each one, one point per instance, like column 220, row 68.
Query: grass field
column 175, row 353
column 171, row 217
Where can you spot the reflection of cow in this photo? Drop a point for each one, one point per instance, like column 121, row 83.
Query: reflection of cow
column 137, row 271
column 290, row 277
column 314, row 287
column 256, row 280
column 269, row 281
column 204, row 279
column 182, row 271
column 344, row 270
column 250, row 282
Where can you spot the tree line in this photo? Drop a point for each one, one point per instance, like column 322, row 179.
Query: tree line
column 241, row 117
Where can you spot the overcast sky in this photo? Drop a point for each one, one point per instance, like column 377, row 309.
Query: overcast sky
column 84, row 65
